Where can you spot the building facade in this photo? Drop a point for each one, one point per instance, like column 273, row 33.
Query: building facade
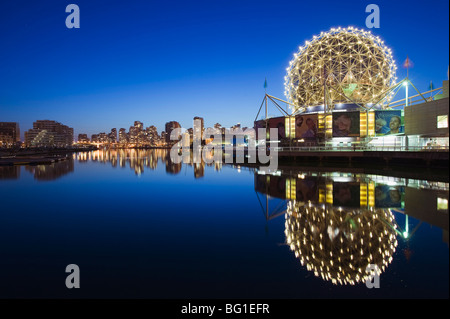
column 9, row 134
column 424, row 124
column 83, row 138
column 46, row 133
column 169, row 127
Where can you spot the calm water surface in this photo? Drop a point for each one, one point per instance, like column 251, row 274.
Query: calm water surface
column 139, row 226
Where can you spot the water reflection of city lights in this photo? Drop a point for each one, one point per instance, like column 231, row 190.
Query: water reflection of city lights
column 140, row 159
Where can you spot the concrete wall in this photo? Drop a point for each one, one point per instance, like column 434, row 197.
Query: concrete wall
column 421, row 119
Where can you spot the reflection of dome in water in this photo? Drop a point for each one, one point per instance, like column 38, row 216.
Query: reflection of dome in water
column 354, row 63
column 337, row 244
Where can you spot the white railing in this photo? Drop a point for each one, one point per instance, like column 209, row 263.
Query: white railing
column 361, row 148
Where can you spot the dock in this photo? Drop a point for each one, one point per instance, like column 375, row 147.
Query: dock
column 35, row 160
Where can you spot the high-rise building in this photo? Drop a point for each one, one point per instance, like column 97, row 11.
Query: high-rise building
column 113, row 136
column 139, row 125
column 83, row 138
column 123, row 136
column 170, row 126
column 140, row 133
column 49, row 133
column 103, row 137
column 9, row 134
column 106, row 138
column 136, row 134
column 151, row 134
column 133, row 135
column 198, row 127
column 163, row 137
column 191, row 134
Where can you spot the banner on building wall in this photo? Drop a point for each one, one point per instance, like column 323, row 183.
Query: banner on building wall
column 279, row 124
column 388, row 122
column 306, row 126
column 346, row 124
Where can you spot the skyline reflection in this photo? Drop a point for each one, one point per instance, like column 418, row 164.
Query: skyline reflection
column 141, row 159
column 9, row 172
column 49, row 172
column 136, row 159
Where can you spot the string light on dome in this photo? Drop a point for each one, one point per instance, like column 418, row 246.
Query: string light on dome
column 347, row 55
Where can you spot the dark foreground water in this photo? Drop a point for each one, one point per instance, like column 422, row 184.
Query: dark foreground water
column 139, row 226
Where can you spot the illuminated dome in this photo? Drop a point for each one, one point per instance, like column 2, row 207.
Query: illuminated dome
column 337, row 244
column 355, row 64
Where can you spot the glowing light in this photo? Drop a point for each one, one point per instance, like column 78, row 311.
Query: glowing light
column 329, row 57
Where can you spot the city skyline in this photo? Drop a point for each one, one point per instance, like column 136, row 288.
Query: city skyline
column 138, row 133
column 157, row 62
column 22, row 136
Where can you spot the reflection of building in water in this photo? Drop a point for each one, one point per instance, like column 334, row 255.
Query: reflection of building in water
column 140, row 159
column 136, row 159
column 171, row 167
column 339, row 244
column 343, row 189
column 389, row 196
column 83, row 157
column 153, row 157
column 429, row 206
column 52, row 171
column 199, row 169
column 9, row 172
column 423, row 200
column 122, row 159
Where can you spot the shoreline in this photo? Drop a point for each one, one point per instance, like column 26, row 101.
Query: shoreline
column 36, row 156
column 429, row 163
column 410, row 172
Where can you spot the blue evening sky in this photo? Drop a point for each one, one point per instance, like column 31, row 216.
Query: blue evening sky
column 158, row 61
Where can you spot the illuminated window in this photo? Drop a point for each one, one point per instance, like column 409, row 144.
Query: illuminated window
column 442, row 121
column 442, row 203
